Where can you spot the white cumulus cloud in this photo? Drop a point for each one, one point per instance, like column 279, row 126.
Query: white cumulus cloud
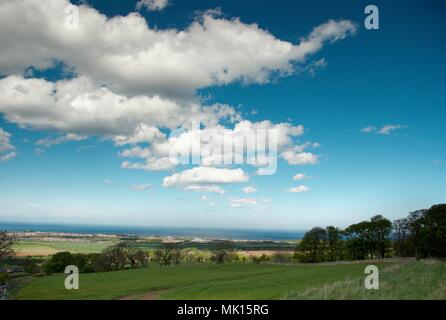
column 298, row 189
column 300, row 176
column 206, row 176
column 211, row 51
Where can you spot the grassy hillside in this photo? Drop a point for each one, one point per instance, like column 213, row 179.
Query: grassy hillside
column 398, row 280
column 205, row 281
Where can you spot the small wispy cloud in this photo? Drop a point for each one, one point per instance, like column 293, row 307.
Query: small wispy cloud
column 7, row 150
column 86, row 147
column 388, row 128
column 249, row 190
column 300, row 176
column 47, row 142
column 385, row 130
column 314, row 66
column 140, row 187
column 368, row 129
column 152, row 5
column 248, row 202
column 8, row 156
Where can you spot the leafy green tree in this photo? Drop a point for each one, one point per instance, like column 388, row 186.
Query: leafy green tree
column 31, row 266
column 357, row 240
column 313, row 245
column 401, row 235
column 379, row 230
column 58, row 262
column 334, row 243
column 408, row 234
column 432, row 232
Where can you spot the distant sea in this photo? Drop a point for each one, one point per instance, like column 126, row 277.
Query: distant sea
column 208, row 233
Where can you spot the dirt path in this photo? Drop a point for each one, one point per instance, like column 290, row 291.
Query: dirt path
column 150, row 295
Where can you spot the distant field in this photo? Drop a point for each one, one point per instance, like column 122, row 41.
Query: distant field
column 204, row 281
column 241, row 245
column 45, row 248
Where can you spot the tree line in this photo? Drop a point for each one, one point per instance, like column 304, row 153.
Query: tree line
column 422, row 234
column 121, row 256
column 126, row 255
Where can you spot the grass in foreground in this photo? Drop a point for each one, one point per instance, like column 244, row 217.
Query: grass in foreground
column 407, row 281
column 204, row 281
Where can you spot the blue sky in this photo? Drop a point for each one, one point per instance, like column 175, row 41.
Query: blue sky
column 357, row 79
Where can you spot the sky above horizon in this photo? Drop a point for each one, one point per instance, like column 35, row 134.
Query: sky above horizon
column 87, row 111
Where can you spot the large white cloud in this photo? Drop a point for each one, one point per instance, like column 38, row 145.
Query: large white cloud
column 131, row 81
column 77, row 106
column 217, row 145
column 129, row 57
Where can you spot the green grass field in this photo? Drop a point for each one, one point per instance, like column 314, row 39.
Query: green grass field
column 398, row 280
column 205, row 281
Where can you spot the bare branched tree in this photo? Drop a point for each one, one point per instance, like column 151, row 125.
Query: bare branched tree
column 6, row 244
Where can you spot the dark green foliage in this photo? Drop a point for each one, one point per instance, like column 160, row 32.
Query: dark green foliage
column 3, row 278
column 422, row 234
column 363, row 240
column 432, row 232
column 58, row 262
column 32, row 266
column 368, row 239
column 313, row 245
column 380, row 229
column 334, row 243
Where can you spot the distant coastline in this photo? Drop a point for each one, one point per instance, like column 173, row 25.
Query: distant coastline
column 206, row 233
